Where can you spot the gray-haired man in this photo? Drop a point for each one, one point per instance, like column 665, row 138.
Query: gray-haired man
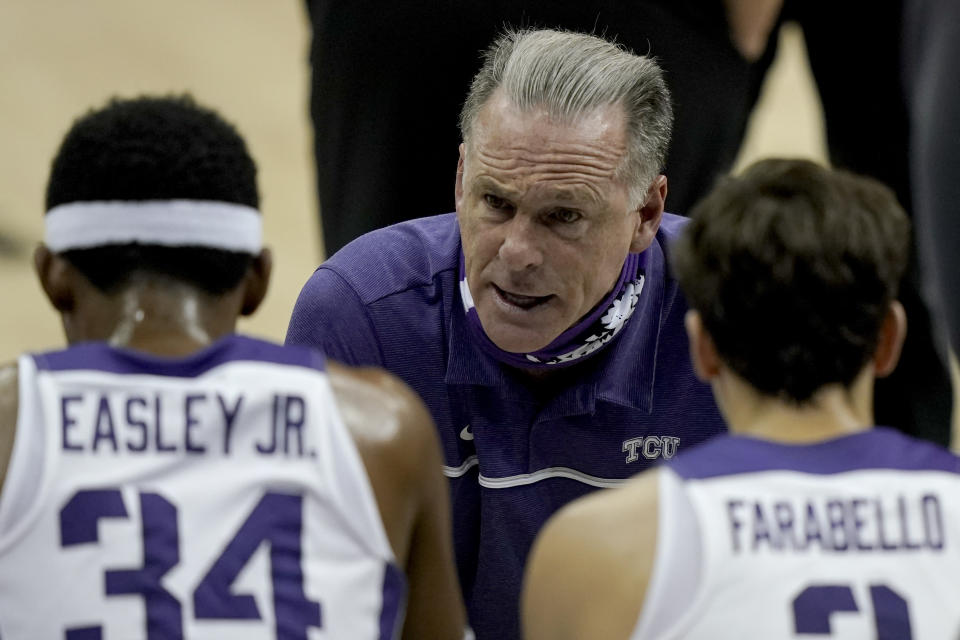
column 540, row 323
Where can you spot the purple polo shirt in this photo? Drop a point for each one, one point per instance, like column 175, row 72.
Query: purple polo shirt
column 514, row 455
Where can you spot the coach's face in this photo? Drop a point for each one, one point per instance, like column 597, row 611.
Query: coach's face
column 545, row 222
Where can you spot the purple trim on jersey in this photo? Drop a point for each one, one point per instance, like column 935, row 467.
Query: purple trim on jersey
column 100, row 356
column 877, row 448
column 394, row 597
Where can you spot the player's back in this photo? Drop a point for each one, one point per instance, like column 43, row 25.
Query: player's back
column 856, row 537
column 214, row 496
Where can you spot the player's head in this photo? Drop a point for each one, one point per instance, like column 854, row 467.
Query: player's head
column 572, row 75
column 793, row 270
column 155, row 188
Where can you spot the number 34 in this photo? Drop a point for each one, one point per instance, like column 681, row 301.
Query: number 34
column 277, row 518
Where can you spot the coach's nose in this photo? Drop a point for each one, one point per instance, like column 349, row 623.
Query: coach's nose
column 521, row 249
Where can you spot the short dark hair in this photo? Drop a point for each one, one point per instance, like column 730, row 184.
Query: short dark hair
column 154, row 148
column 792, row 267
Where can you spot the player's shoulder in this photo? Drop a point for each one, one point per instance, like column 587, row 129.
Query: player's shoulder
column 616, row 515
column 591, row 563
column 398, row 257
column 387, row 420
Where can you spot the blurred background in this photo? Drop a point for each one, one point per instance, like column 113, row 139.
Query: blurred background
column 249, row 60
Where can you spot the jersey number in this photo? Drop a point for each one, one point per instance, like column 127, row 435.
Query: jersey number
column 277, row 519
column 813, row 607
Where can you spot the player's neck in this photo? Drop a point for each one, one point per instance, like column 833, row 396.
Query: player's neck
column 832, row 412
column 158, row 317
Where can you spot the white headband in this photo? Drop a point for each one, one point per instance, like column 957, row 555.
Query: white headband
column 171, row 223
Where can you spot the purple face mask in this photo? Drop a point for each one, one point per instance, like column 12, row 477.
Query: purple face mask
column 588, row 336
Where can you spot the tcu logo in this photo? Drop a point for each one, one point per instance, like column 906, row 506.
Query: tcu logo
column 651, row 447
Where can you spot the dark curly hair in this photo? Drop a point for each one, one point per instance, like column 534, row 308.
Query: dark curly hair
column 154, row 148
column 792, row 267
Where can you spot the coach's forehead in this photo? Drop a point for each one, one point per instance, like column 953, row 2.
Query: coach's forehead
column 512, row 137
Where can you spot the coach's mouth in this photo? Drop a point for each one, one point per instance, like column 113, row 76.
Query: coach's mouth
column 519, row 301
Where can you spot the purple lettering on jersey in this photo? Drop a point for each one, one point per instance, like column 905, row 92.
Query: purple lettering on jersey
column 274, row 428
column 277, row 519
column 229, row 418
column 140, row 425
column 837, row 525
column 891, row 613
column 885, row 544
column 904, row 525
column 288, row 417
column 294, row 415
column 811, row 527
column 96, row 422
column 79, row 517
column 859, row 521
column 761, row 530
column 78, row 525
column 932, row 521
column 860, row 524
column 158, row 441
column 813, row 607
column 161, row 552
column 190, row 421
column 735, row 523
column 783, row 514
column 67, row 421
column 103, row 429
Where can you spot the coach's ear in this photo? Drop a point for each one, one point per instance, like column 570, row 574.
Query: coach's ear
column 57, row 278
column 893, row 331
column 650, row 214
column 703, row 353
column 458, row 185
column 256, row 282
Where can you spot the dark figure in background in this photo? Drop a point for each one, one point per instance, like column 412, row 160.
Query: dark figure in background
column 867, row 128
column 389, row 79
column 931, row 52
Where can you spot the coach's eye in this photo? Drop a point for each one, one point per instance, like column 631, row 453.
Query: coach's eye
column 566, row 216
column 496, row 202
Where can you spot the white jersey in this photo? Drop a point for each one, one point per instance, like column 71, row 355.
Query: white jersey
column 857, row 538
column 216, row 496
